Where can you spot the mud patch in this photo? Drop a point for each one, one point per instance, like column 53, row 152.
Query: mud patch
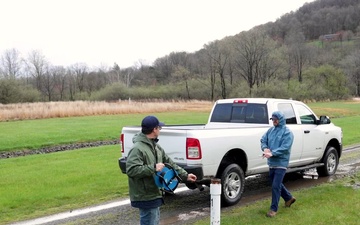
column 193, row 214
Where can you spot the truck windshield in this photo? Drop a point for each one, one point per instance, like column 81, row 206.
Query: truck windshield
column 240, row 113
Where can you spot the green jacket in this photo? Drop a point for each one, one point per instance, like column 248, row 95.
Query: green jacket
column 140, row 168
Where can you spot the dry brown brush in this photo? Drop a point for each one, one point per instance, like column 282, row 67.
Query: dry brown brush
column 42, row 110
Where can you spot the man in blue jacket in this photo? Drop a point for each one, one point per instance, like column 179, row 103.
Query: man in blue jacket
column 276, row 146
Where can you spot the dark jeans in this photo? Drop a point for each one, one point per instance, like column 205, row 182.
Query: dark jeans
column 278, row 189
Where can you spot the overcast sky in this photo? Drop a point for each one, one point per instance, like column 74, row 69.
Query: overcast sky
column 101, row 32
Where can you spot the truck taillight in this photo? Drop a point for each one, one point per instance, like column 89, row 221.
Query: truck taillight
column 122, row 142
column 193, row 148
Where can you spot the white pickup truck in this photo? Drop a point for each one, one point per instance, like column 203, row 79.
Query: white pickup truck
column 228, row 146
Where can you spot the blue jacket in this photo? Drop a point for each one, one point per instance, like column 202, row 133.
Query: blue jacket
column 279, row 140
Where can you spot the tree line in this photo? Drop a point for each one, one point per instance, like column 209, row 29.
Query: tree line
column 288, row 58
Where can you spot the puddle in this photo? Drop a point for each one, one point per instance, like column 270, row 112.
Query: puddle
column 186, row 216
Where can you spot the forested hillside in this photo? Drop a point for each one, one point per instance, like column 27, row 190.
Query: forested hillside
column 310, row 54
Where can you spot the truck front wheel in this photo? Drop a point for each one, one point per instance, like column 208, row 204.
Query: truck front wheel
column 232, row 184
column 331, row 161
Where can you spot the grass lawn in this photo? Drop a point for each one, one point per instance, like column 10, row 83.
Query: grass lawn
column 336, row 109
column 38, row 185
column 350, row 127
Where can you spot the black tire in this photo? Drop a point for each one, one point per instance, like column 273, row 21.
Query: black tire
column 191, row 186
column 232, row 185
column 331, row 162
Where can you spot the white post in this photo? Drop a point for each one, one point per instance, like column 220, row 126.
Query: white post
column 215, row 191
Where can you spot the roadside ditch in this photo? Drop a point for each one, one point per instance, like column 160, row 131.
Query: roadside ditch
column 58, row 148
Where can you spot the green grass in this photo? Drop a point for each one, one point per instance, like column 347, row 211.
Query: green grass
column 345, row 114
column 32, row 134
column 350, row 127
column 38, row 185
column 336, row 109
column 330, row 203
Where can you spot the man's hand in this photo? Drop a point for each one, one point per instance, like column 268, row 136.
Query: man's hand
column 159, row 166
column 267, row 154
column 191, row 177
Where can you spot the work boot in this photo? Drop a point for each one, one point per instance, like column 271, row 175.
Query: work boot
column 271, row 213
column 290, row 202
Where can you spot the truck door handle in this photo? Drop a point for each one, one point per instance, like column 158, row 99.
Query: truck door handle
column 306, row 131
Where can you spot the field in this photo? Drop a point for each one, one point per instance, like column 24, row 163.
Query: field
column 43, row 184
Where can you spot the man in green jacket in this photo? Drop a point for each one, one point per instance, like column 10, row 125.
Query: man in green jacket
column 145, row 158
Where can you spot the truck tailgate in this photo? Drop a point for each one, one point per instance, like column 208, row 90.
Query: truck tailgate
column 172, row 138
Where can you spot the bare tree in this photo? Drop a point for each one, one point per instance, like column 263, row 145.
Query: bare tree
column 116, row 70
column 60, row 80
column 182, row 69
column 49, row 82
column 351, row 65
column 209, row 63
column 79, row 70
column 219, row 55
column 96, row 80
column 165, row 68
column 181, row 72
column 11, row 63
column 71, row 83
column 37, row 66
column 298, row 53
column 253, row 57
column 104, row 75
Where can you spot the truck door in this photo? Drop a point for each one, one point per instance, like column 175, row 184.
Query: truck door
column 292, row 124
column 313, row 138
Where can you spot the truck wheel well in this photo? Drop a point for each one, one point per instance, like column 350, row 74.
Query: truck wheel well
column 237, row 156
column 335, row 143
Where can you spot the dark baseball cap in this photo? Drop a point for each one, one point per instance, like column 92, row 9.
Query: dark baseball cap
column 150, row 122
column 274, row 118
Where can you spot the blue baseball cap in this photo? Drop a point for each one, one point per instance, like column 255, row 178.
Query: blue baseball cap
column 150, row 122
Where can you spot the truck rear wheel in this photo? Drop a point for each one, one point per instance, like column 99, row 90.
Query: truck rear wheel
column 232, row 184
column 331, row 161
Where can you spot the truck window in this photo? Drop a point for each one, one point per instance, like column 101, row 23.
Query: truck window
column 288, row 111
column 221, row 113
column 240, row 113
column 306, row 116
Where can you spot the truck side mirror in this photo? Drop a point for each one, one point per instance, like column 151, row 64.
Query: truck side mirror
column 324, row 120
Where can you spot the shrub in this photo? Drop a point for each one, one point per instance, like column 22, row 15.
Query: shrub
column 29, row 94
column 111, row 92
column 13, row 91
column 331, row 80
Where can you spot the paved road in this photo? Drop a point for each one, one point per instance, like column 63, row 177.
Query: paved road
column 188, row 206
